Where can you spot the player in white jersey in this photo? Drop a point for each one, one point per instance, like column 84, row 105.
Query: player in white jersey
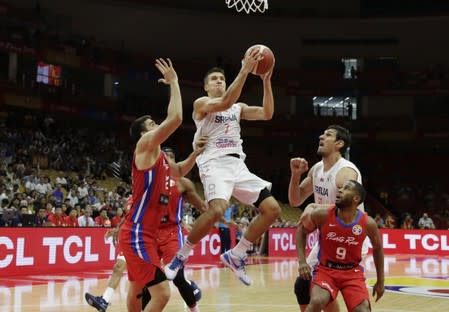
column 222, row 168
column 323, row 180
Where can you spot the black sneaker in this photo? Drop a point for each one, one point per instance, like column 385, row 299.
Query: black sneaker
column 97, row 302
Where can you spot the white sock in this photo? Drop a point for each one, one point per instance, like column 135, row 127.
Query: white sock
column 108, row 294
column 241, row 248
column 186, row 249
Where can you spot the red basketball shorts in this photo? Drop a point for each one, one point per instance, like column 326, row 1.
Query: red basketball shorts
column 140, row 251
column 351, row 283
column 170, row 239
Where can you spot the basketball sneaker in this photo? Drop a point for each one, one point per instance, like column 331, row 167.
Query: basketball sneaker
column 97, row 302
column 237, row 265
column 196, row 291
column 173, row 267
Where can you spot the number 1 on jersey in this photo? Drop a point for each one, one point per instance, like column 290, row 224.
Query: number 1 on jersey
column 227, row 128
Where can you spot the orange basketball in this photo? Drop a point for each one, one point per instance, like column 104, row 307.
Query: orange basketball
column 264, row 65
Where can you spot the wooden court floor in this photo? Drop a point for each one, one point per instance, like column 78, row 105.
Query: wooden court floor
column 414, row 283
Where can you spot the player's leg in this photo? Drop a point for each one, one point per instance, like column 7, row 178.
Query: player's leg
column 250, row 189
column 159, row 291
column 363, row 307
column 132, row 298
column 324, row 289
column 101, row 303
column 188, row 290
column 354, row 291
column 218, row 185
column 332, row 307
column 302, row 287
column 169, row 243
column 319, row 298
column 302, row 292
column 269, row 211
column 201, row 228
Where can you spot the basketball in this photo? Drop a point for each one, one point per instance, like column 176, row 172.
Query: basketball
column 264, row 65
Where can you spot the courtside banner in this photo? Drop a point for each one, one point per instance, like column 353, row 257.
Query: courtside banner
column 282, row 242
column 56, row 250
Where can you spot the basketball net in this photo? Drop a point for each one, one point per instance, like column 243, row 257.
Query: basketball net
column 248, row 5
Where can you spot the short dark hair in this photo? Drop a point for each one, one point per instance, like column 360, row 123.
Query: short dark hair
column 360, row 190
column 213, row 70
column 342, row 134
column 137, row 127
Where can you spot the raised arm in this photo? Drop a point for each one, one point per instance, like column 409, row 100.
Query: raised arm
column 266, row 111
column 299, row 191
column 206, row 104
column 316, row 217
column 190, row 194
column 181, row 168
column 378, row 254
column 147, row 146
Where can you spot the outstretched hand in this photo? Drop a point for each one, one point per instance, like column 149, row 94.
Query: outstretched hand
column 167, row 70
column 112, row 233
column 250, row 60
column 378, row 290
column 200, row 144
column 304, row 270
column 267, row 75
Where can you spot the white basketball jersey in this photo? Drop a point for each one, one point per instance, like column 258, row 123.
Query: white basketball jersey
column 324, row 184
column 223, row 129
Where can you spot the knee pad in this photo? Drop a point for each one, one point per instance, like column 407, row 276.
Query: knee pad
column 302, row 291
column 196, row 291
column 145, row 297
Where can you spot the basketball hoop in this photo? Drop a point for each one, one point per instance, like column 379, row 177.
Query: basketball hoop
column 248, row 5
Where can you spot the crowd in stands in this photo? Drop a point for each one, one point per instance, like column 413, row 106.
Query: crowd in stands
column 83, row 158
column 71, row 192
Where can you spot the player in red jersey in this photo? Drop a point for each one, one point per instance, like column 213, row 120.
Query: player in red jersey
column 151, row 191
column 343, row 228
column 170, row 237
column 101, row 303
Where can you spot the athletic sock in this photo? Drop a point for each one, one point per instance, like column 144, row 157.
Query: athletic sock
column 241, row 248
column 108, row 294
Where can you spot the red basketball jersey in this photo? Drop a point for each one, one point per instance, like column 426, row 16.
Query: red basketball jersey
column 150, row 197
column 340, row 243
column 173, row 215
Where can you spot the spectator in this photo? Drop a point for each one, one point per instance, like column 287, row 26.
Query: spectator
column 58, row 194
column 4, row 202
column 73, row 196
column 61, row 180
column 379, row 221
column 103, row 219
column 20, row 220
column 42, row 218
column 57, row 219
column 86, row 220
column 91, row 198
column 407, row 223
column 425, row 222
column 83, row 191
column 390, row 222
column 72, row 219
column 119, row 216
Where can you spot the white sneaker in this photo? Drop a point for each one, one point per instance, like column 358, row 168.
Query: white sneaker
column 237, row 265
column 173, row 267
